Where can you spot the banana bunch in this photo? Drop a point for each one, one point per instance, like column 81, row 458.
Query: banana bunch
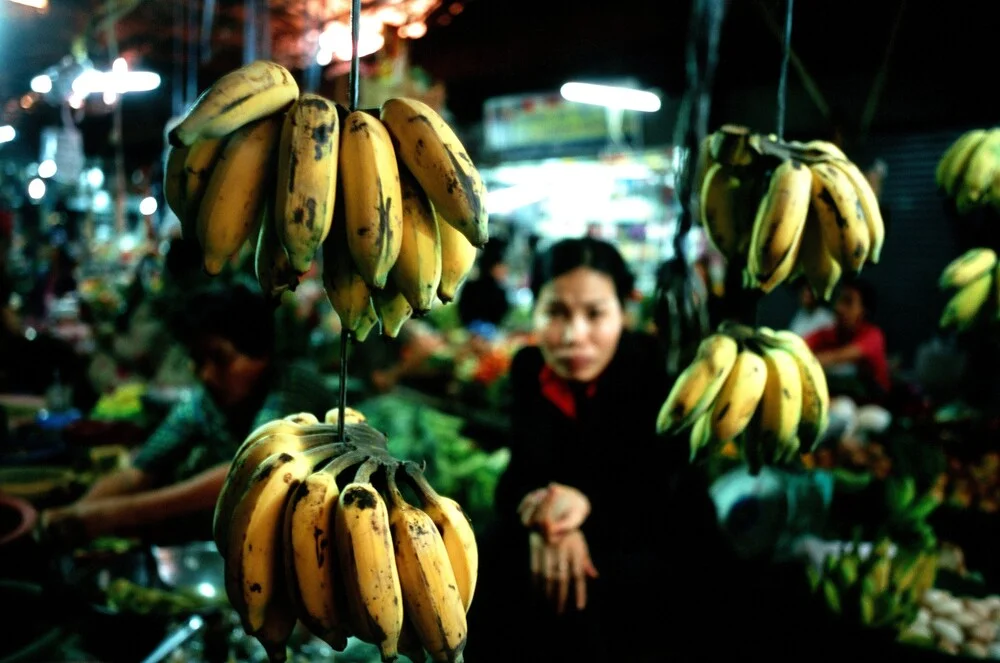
column 388, row 199
column 805, row 209
column 761, row 389
column 973, row 278
column 969, row 171
column 880, row 589
column 318, row 530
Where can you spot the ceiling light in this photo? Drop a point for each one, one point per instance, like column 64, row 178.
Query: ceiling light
column 147, row 207
column 41, row 84
column 92, row 81
column 36, row 189
column 7, row 133
column 47, row 168
column 611, row 96
column 37, row 4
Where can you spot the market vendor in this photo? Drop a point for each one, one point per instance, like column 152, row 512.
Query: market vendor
column 601, row 513
column 852, row 350
column 179, row 471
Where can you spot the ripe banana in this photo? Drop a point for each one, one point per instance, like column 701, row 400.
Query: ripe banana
column 963, row 308
column 968, row 267
column 740, row 394
column 345, row 288
column 174, row 184
column 825, row 147
column 430, row 590
column 240, row 97
column 778, row 225
column 309, row 554
column 372, row 197
column 351, row 416
column 458, row 257
column 704, row 162
column 869, row 205
column 698, row 385
column 781, row 405
column 456, row 531
column 201, row 159
column 307, row 177
column 279, row 623
column 368, row 565
column 841, row 217
column 417, row 272
column 274, row 272
column 978, row 175
column 956, row 158
column 815, row 394
column 723, row 209
column 393, row 310
column 821, row 271
column 235, row 193
column 367, row 324
column 439, row 161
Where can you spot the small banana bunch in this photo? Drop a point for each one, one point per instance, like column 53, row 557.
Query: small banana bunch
column 973, row 276
column 787, row 209
column 318, row 530
column 389, row 198
column 762, row 389
column 969, row 170
column 880, row 590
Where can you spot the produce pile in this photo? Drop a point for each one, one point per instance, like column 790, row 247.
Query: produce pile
column 319, row 530
column 971, row 485
column 957, row 625
column 389, row 196
column 762, row 389
column 969, row 171
column 973, row 276
column 786, row 208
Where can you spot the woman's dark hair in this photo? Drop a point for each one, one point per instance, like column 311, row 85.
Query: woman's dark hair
column 568, row 254
column 233, row 312
column 866, row 293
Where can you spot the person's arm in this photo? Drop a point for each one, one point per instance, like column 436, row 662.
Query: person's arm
column 123, row 482
column 847, row 354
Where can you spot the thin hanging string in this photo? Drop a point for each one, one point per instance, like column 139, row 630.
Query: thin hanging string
column 783, row 79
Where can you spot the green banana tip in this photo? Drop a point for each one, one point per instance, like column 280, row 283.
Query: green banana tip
column 174, row 138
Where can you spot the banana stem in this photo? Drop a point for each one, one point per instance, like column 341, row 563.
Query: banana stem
column 424, row 489
column 367, row 469
column 341, row 463
column 395, row 496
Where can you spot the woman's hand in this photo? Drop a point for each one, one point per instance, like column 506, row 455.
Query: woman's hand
column 554, row 510
column 559, row 564
column 76, row 523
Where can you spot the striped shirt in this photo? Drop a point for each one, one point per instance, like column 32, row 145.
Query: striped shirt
column 196, row 436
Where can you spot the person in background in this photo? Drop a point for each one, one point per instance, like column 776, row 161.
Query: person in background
column 812, row 314
column 484, row 299
column 177, row 474
column 57, row 281
column 852, row 350
column 595, row 511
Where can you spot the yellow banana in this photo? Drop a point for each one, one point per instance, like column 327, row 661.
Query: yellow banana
column 345, row 288
column 430, row 590
column 309, row 551
column 456, row 531
column 724, row 210
column 702, row 164
column 778, row 225
column 232, row 203
column 201, row 159
column 393, row 310
column 417, row 272
column 307, row 177
column 825, row 147
column 739, row 397
column 174, row 185
column 372, row 197
column 439, row 161
column 701, row 435
column 352, row 416
column 698, row 385
column 968, row 267
column 963, row 308
column 821, row 271
column 279, row 623
column 841, row 217
column 368, row 321
column 457, row 259
column 365, row 550
column 242, row 96
column 952, row 166
column 815, row 394
column 978, row 175
column 869, row 205
column 274, row 273
column 781, row 405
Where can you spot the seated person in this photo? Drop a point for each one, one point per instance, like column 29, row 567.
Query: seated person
column 180, row 469
column 812, row 314
column 852, row 350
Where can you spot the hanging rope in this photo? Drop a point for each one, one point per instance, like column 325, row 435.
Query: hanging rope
column 786, row 51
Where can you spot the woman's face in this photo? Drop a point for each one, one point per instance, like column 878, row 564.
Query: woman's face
column 579, row 321
column 228, row 375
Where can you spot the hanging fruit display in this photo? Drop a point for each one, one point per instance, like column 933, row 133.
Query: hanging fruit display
column 787, row 208
column 973, row 278
column 968, row 172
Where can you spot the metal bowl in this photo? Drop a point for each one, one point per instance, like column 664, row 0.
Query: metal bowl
column 196, row 567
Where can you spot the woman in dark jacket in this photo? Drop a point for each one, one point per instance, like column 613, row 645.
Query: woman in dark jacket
column 606, row 539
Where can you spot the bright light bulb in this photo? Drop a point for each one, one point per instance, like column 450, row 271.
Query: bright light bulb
column 413, row 30
column 75, row 101
column 126, row 243
column 47, row 168
column 336, row 39
column 41, row 84
column 611, row 96
column 110, row 98
column 7, row 133
column 102, row 201
column 36, row 189
column 119, row 66
column 324, row 57
column 147, row 206
column 95, row 177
